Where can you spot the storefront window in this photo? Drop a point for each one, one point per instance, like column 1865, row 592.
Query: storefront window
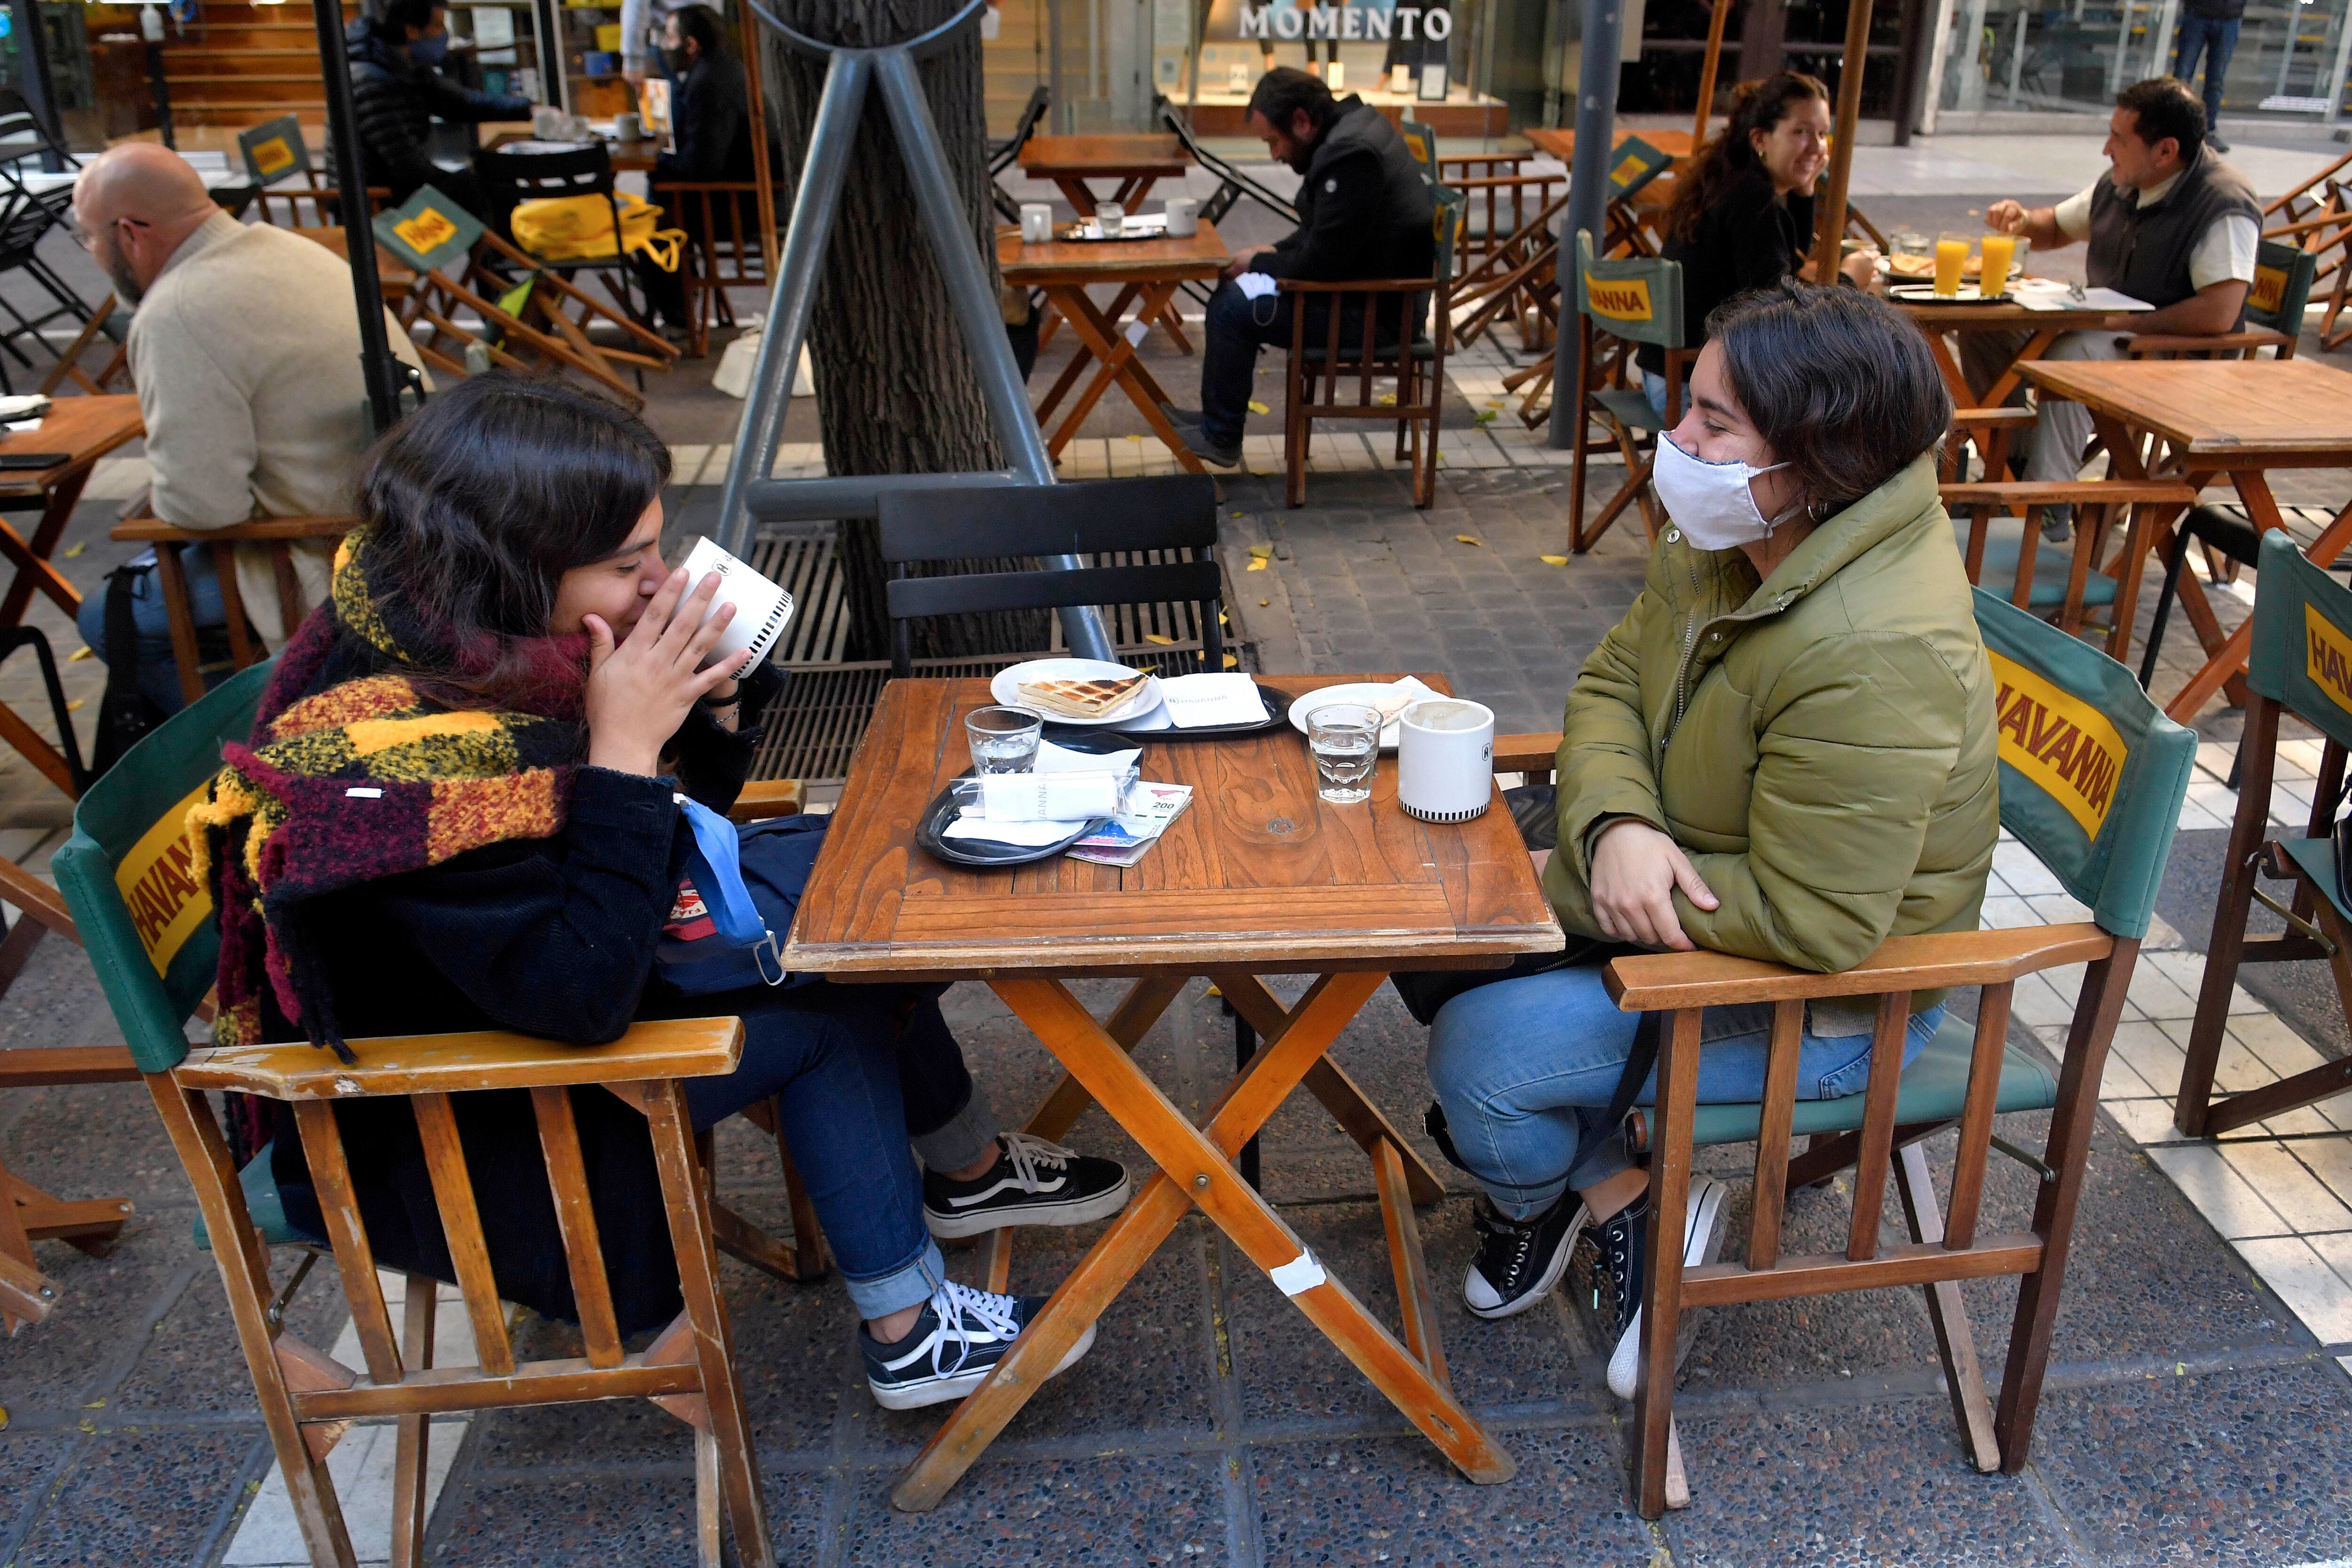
column 2023, row 54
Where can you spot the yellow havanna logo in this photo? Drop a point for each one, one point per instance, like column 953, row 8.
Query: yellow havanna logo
column 2059, row 742
column 2269, row 289
column 272, row 158
column 1621, row 298
column 426, row 229
column 2328, row 658
column 1628, row 167
column 158, row 883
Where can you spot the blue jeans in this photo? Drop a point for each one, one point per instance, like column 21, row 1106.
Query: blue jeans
column 1236, row 328
column 1525, row 1069
column 159, row 673
column 830, row 1054
column 2217, row 38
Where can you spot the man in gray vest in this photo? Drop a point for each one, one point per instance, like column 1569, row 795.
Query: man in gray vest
column 1364, row 211
column 2168, row 223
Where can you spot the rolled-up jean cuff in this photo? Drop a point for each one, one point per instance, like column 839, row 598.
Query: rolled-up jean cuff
column 1524, row 1202
column 909, row 1285
column 1602, row 1157
column 968, row 1135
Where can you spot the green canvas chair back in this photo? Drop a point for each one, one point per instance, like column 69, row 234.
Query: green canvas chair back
column 428, row 232
column 274, row 149
column 128, row 877
column 1420, row 141
column 2302, row 654
column 1640, row 297
column 2092, row 773
column 1445, row 225
column 2282, row 287
column 1633, row 164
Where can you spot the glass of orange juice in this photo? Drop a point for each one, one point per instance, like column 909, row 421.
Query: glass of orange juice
column 1999, row 255
column 1952, row 258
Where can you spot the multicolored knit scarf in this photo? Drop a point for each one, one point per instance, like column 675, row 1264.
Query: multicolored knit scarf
column 366, row 761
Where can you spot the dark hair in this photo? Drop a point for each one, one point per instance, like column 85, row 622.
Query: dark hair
column 1283, row 91
column 701, row 23
column 2164, row 106
column 398, row 16
column 483, row 499
column 1755, row 106
column 1840, row 386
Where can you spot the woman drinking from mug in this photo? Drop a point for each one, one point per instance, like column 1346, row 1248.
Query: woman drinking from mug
column 1785, row 752
column 1742, row 215
column 502, row 629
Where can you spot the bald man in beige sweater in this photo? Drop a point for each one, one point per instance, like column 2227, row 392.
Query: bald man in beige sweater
column 245, row 348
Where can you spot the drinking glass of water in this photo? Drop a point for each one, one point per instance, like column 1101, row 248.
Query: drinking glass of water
column 1346, row 740
column 1110, row 217
column 1004, row 740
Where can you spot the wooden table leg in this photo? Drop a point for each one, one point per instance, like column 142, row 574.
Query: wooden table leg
column 1116, row 353
column 1080, row 360
column 2006, row 383
column 1195, row 1166
column 32, row 558
column 1075, row 191
column 2230, row 662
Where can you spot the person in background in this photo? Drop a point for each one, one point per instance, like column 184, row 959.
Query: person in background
column 640, row 31
column 246, row 352
column 1364, row 211
column 396, row 95
column 1742, row 217
column 2168, row 223
column 711, row 135
column 2210, row 26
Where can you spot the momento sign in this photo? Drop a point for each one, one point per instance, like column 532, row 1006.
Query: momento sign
column 1347, row 24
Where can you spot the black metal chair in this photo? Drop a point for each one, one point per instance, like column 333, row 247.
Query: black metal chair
column 1003, row 154
column 30, row 208
column 1176, row 513
column 509, row 179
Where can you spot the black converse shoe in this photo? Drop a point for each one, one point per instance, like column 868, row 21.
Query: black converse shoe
column 1031, row 1183
column 960, row 1337
column 1520, row 1261
column 1624, row 1239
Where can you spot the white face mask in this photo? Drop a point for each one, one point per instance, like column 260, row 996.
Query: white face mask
column 1710, row 501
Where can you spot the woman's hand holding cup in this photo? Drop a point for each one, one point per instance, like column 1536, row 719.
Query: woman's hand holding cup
column 641, row 689
column 1635, row 871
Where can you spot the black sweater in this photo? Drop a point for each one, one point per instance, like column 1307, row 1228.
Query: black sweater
column 710, row 114
column 1748, row 239
column 552, row 937
column 394, row 101
column 1364, row 211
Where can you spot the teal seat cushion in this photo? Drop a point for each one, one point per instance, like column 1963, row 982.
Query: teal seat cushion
column 262, row 1202
column 1935, row 1088
column 2052, row 563
column 1631, row 408
column 2315, row 858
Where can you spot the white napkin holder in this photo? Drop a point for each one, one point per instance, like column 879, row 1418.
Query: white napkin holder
column 1445, row 759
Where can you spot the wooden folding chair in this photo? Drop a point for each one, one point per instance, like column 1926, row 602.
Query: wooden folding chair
column 2127, row 515
column 1620, row 304
column 101, row 328
column 1389, row 345
column 280, row 534
column 2316, row 217
column 277, row 159
column 2274, row 307
column 156, row 964
column 2097, row 801
column 2301, row 663
column 722, row 249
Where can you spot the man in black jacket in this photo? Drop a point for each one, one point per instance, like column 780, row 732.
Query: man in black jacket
column 396, row 95
column 710, row 130
column 1364, row 211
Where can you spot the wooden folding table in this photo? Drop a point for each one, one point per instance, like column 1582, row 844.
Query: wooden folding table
column 1149, row 273
column 1134, row 164
column 79, row 430
column 2213, row 419
column 1257, row 877
column 2042, row 329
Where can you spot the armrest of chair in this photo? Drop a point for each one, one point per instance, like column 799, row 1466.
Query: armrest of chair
column 1356, row 285
column 43, row 1065
column 2063, row 492
column 1991, row 418
column 1536, row 754
column 2149, row 344
column 1670, row 982
column 767, row 797
column 260, row 531
column 450, row 1064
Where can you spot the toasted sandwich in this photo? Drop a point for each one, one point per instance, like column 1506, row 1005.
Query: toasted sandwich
column 1082, row 698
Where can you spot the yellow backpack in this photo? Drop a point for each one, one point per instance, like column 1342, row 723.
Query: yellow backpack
column 580, row 228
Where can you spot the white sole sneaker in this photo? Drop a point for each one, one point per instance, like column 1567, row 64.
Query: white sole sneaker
column 1076, row 1210
column 1701, row 1239
column 941, row 1390
column 1475, row 1285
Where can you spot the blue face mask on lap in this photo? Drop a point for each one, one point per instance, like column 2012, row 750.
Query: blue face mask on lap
column 429, row 51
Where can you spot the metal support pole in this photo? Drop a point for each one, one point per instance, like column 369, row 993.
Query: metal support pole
column 382, row 370
column 794, row 295
column 1596, row 135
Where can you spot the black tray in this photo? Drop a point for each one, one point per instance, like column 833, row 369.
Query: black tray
column 981, row 851
column 1085, row 737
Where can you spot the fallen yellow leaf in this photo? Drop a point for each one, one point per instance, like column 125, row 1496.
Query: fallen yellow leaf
column 1231, row 660
column 1465, row 539
column 1214, row 992
column 81, row 653
column 1553, row 560
column 1163, row 641
column 1261, row 551
column 1223, row 619
column 1257, row 407
column 73, row 550
column 1384, row 400
column 1261, row 604
column 75, row 705
column 1257, row 563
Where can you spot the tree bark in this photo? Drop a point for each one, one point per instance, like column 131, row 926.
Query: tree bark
column 894, row 385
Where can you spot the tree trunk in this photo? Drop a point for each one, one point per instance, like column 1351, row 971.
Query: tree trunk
column 895, row 385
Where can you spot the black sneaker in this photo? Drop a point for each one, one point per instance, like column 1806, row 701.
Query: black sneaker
column 2213, row 140
column 1208, row 449
column 1520, row 1261
column 1182, row 418
column 956, row 1341
column 1031, row 1183
column 1624, row 1238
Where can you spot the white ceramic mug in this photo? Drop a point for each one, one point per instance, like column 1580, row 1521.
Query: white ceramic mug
column 1037, row 222
column 628, row 126
column 1445, row 759
column 762, row 609
column 1183, row 217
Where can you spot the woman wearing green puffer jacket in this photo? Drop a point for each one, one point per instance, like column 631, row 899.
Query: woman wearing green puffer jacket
column 1785, row 751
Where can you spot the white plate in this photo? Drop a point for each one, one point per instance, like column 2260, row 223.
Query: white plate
column 1006, row 687
column 1355, row 691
